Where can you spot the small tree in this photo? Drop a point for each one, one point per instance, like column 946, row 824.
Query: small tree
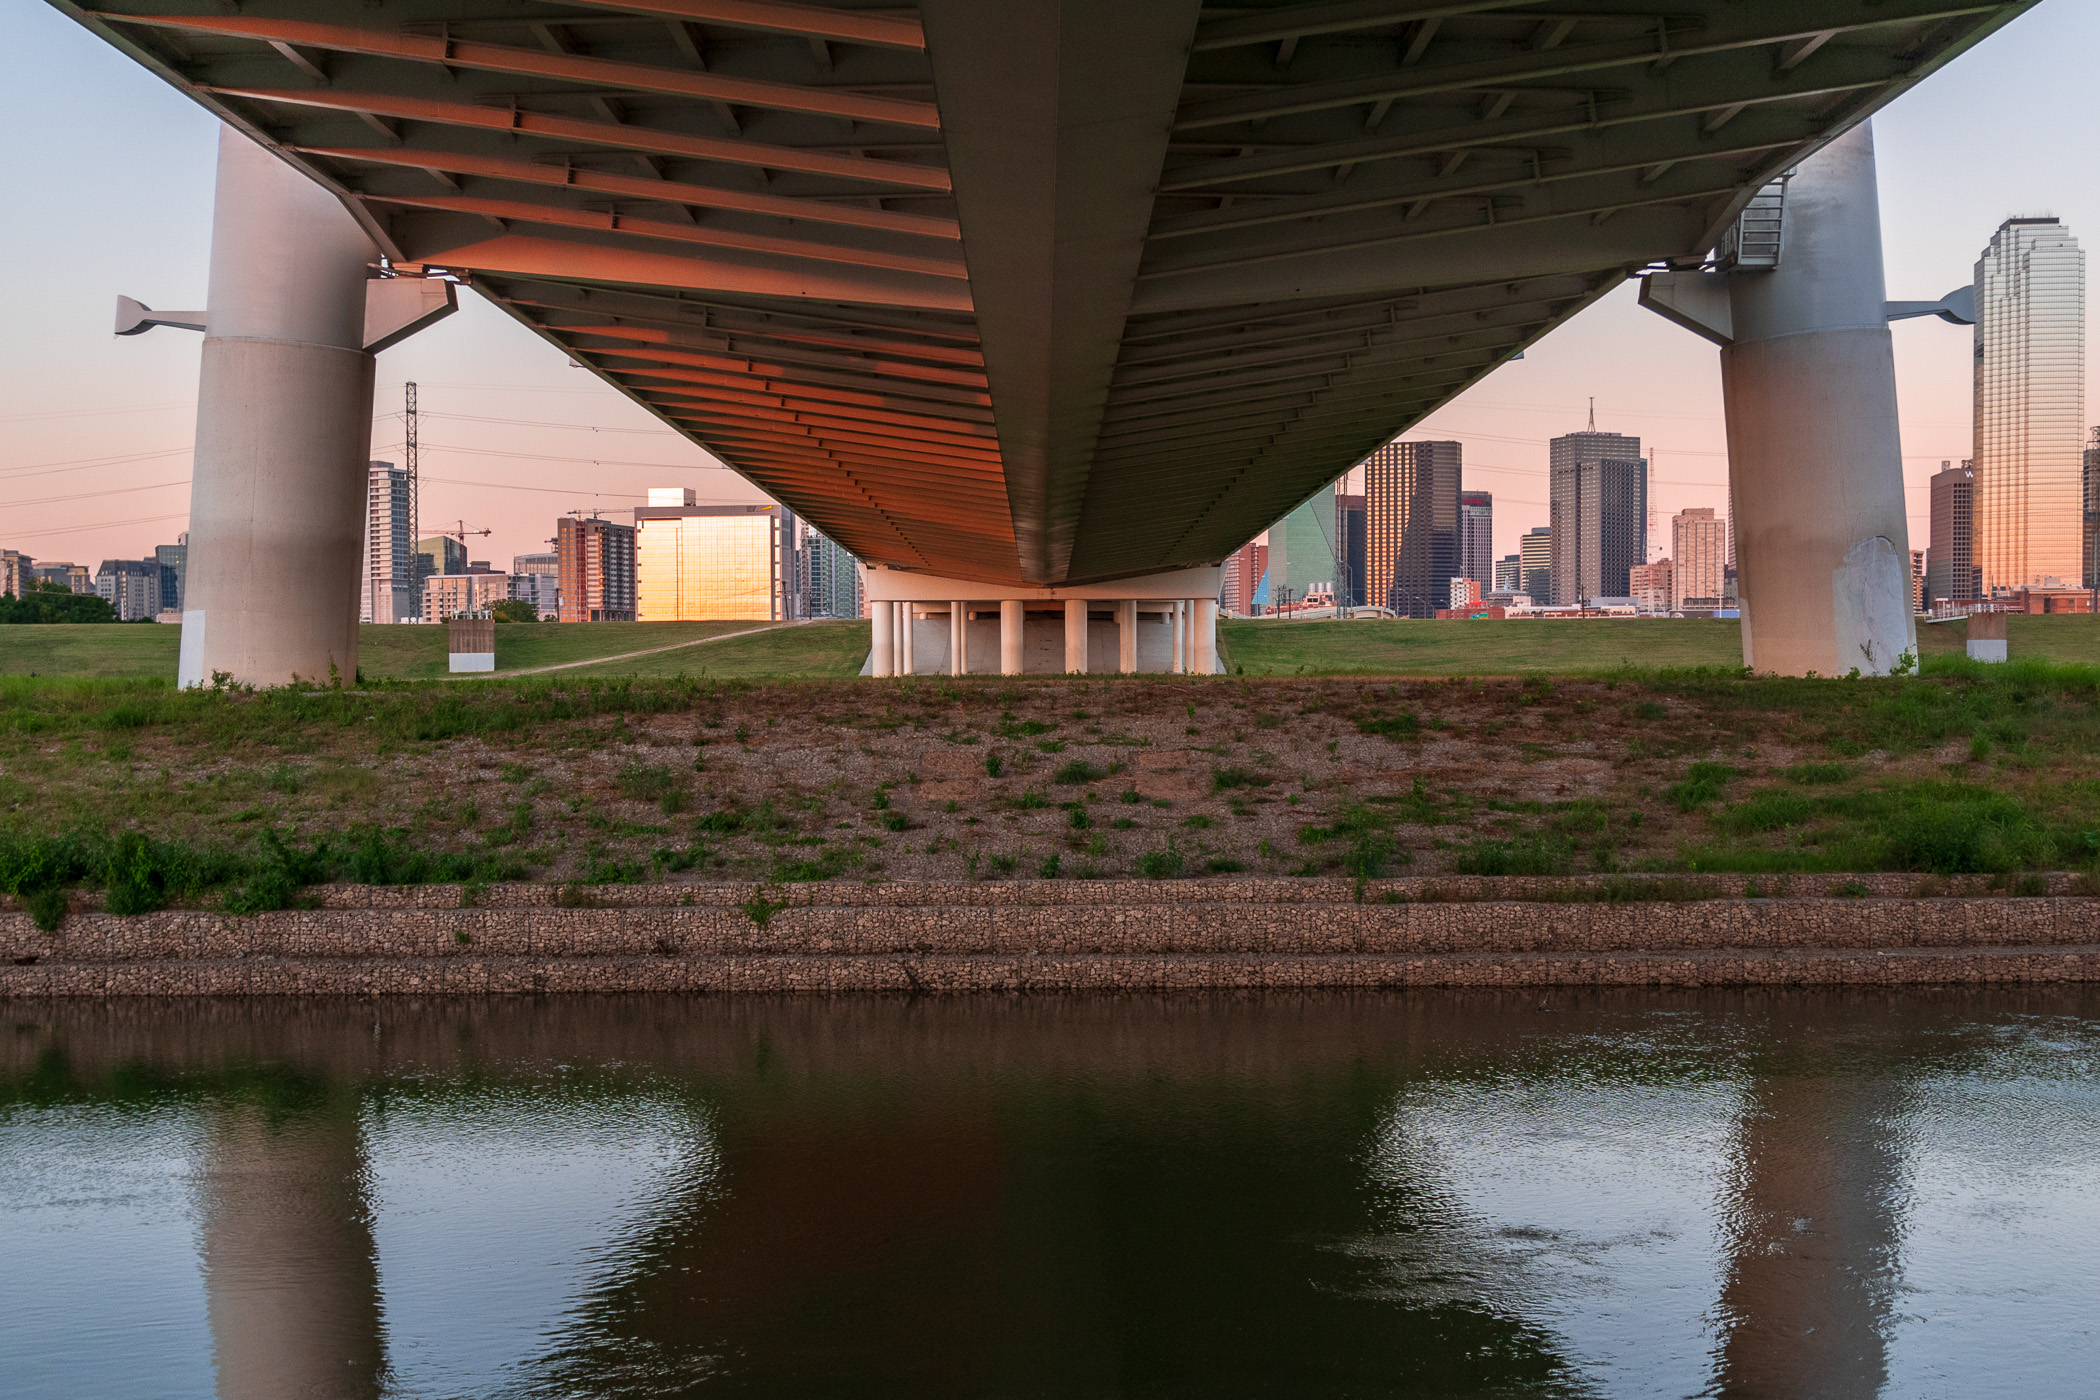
column 514, row 610
column 45, row 601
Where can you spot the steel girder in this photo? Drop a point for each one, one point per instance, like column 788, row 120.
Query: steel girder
column 1043, row 291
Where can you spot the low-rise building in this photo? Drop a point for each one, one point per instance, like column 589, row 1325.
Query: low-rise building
column 1651, row 585
column 448, row 595
column 1464, row 592
column 131, row 587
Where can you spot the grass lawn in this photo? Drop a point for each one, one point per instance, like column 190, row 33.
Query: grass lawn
column 90, row 651
column 119, row 651
column 1506, row 648
column 818, row 649
column 837, row 649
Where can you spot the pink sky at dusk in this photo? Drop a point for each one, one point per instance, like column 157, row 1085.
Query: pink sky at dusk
column 110, row 192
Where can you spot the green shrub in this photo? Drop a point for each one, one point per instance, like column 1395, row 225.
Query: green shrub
column 1160, row 865
column 1531, row 856
column 1701, row 786
column 1401, row 726
column 1077, row 771
column 1223, row 778
column 1817, row 773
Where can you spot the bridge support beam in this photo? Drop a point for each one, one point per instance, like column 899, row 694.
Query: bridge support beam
column 1815, row 463
column 284, row 426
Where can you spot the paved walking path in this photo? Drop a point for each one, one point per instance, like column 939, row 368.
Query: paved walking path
column 622, row 656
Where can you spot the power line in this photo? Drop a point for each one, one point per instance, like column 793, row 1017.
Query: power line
column 99, row 525
column 83, row 463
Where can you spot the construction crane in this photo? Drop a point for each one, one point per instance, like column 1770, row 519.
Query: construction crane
column 460, row 532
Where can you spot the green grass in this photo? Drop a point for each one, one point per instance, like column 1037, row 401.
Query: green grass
column 90, row 651
column 1508, row 648
column 815, row 650
column 837, row 649
column 145, row 652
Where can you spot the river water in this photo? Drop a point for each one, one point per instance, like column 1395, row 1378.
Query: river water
column 1778, row 1194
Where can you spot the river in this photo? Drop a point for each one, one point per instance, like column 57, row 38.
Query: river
column 1543, row 1193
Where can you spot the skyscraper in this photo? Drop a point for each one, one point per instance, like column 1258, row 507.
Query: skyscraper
column 1349, row 543
column 1600, row 514
column 834, row 577
column 2030, row 407
column 1476, row 537
column 597, row 569
column 1535, row 553
column 1411, row 526
column 390, row 582
column 1950, row 561
column 1698, row 558
column 1304, row 554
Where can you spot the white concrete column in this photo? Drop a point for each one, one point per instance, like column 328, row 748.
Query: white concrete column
column 908, row 656
column 1822, row 537
column 958, row 639
column 1013, row 628
column 1075, row 636
column 884, row 648
column 284, row 431
column 1203, row 654
column 1177, row 618
column 1126, row 635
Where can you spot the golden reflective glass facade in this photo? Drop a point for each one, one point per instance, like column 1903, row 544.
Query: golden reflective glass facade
column 2030, row 407
column 699, row 566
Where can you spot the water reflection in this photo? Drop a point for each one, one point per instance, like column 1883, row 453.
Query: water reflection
column 1415, row 1195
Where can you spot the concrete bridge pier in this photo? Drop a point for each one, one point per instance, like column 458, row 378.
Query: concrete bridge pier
column 1815, row 464
column 284, row 425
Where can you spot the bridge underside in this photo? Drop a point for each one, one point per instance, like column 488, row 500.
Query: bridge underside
column 1043, row 292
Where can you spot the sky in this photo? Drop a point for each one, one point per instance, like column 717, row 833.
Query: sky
column 110, row 180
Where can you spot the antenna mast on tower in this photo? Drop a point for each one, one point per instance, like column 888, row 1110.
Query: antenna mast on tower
column 415, row 501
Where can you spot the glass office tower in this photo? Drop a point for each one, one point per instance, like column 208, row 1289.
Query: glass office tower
column 2030, row 407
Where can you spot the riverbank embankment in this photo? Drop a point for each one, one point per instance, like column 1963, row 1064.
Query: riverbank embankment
column 1053, row 936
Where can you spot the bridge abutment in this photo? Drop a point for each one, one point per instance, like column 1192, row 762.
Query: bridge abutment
column 1159, row 623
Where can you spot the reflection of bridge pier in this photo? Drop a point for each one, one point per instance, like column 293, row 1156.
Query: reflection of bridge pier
column 1814, row 1227
column 291, row 1277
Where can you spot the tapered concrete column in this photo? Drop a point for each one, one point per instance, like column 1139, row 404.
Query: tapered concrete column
column 1178, row 615
column 284, row 430
column 1822, row 537
column 907, row 651
column 1075, row 636
column 884, row 648
column 1013, row 625
column 958, row 639
column 1203, row 653
column 1126, row 635
column 291, row 1277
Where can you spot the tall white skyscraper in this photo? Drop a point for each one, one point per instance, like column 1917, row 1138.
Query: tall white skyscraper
column 2030, row 407
column 389, row 592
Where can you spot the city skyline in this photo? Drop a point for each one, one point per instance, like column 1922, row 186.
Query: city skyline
column 561, row 440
